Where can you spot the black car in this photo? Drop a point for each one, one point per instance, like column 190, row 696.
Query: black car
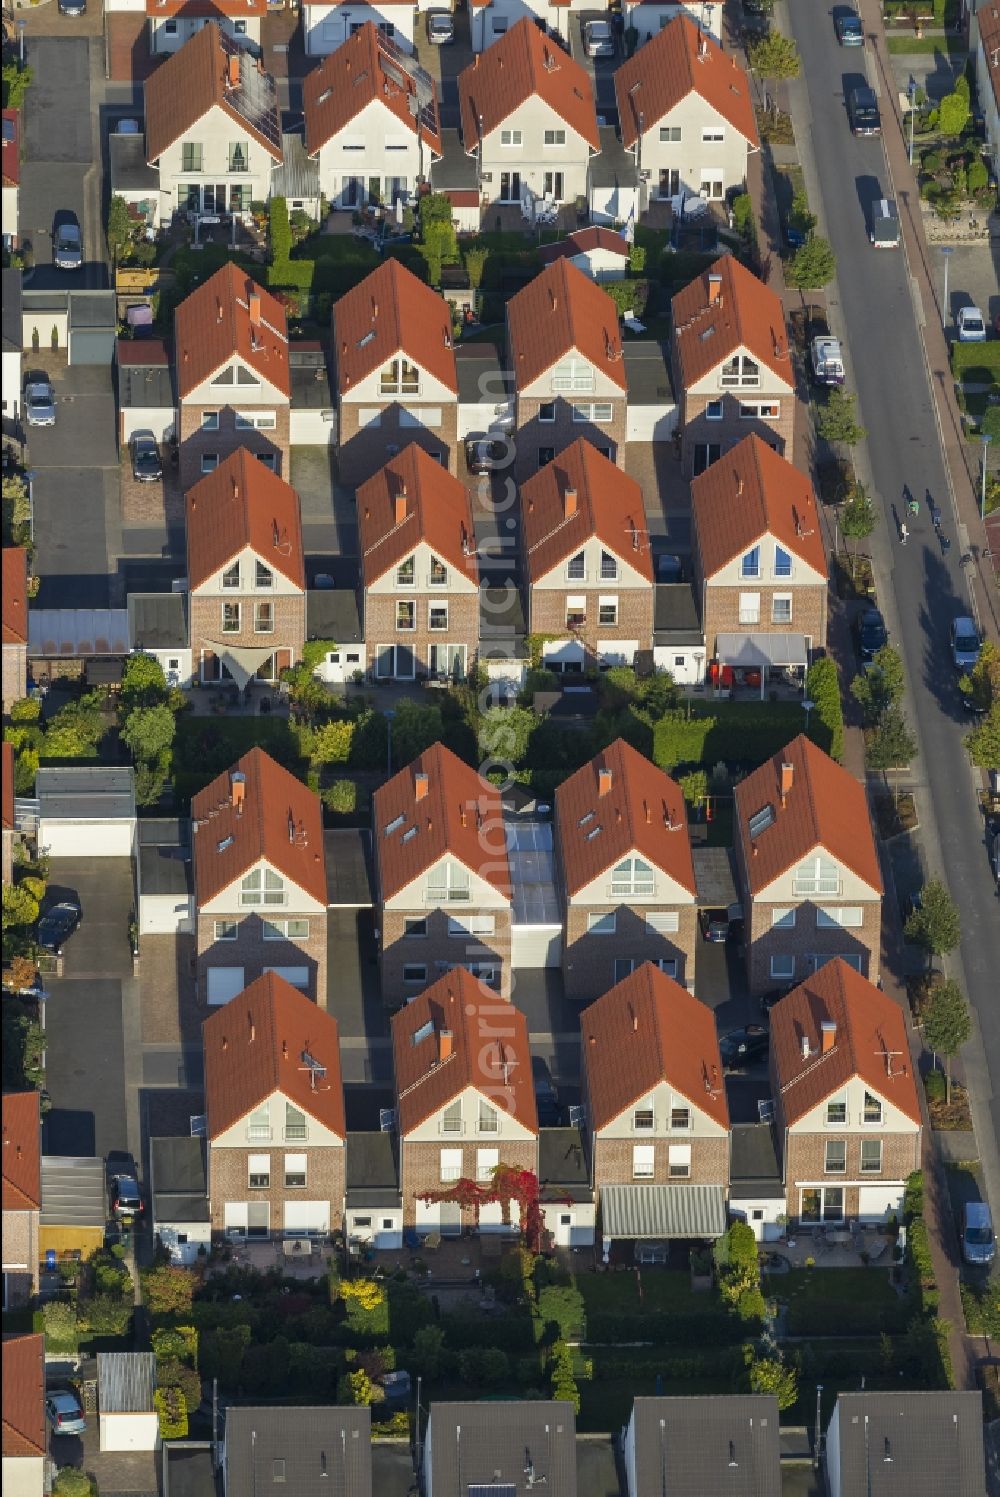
column 862, row 111
column 146, row 465
column 483, row 454
column 870, row 632
column 743, row 1046
column 125, row 1196
column 546, row 1096
column 57, row 925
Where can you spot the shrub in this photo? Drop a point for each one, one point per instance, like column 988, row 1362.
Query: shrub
column 180, row 1341
column 935, row 1086
column 564, row 1305
column 60, row 1326
column 25, row 710
column 72, row 1482
column 331, row 742
column 222, row 1352
column 172, row 1409
column 106, row 1315
column 358, row 1388
column 168, row 1290
column 341, row 797
column 484, row 1367
column 561, row 1379
column 628, row 296
column 743, row 214
column 978, row 177
column 823, row 689
column 772, row 1375
column 171, row 1373
column 513, row 1334
column 280, row 229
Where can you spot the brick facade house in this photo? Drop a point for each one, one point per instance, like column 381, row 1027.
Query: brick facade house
column 625, row 872
column 847, row 1114
column 274, row 1104
column 394, row 373
column 759, row 561
column 588, row 567
column 654, row 1101
column 259, row 881
column 246, row 573
column 732, row 365
column 15, row 625
column 565, row 352
column 233, row 379
column 22, row 1197
column 419, row 573
column 25, row 1433
column 807, row 868
column 442, row 877
column 465, row 1101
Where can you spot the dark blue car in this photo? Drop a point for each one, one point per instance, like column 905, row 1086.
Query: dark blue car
column 850, row 32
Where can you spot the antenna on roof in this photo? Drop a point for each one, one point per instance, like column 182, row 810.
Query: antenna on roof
column 710, row 1079
column 888, row 1056
column 316, row 1070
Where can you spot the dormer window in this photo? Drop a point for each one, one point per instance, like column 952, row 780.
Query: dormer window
column 576, row 568
column 782, row 562
column 740, row 372
column 400, row 377
column 406, row 573
column 262, row 887
column 439, row 573
column 609, row 567
column 750, row 565
column 231, row 576
column 264, row 577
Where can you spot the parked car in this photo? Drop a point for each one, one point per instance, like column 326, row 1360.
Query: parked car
column 146, row 465
column 850, row 32
column 743, row 1046
column 965, row 643
column 978, row 1243
column 795, row 234
column 67, row 246
column 57, row 925
column 870, row 633
column 971, row 325
column 993, row 846
column 598, row 39
column 72, row 7
column 669, row 568
column 714, row 924
column 884, row 230
column 483, row 454
column 64, row 1414
column 440, row 27
column 39, row 403
column 827, row 360
column 125, row 1196
column 546, row 1096
column 862, row 111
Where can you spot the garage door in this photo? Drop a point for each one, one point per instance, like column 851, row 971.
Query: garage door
column 297, row 976
column 91, row 345
column 224, row 983
column 562, row 653
column 88, row 839
column 876, row 1201
column 536, row 946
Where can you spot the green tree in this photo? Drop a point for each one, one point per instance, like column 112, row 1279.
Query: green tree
column 636, row 259
column 694, row 787
column 858, row 519
column 149, row 732
column 835, row 419
column 800, row 215
column 475, row 258
column 947, row 1024
column 935, row 925
column 774, row 58
column 505, row 732
column 168, row 1290
column 341, row 797
column 428, row 1350
column 438, row 240
column 25, row 710
column 954, row 110
column 983, row 743
column 414, row 728
column 76, row 729
column 813, row 266
column 119, row 228
column 16, row 82
column 20, row 907
column 880, row 685
column 150, row 779
column 72, row 1482
column 890, row 745
column 773, row 1375
column 143, row 683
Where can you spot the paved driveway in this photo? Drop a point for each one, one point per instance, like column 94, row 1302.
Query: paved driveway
column 329, row 521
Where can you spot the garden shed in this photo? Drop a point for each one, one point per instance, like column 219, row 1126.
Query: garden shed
column 126, row 1381
column 86, row 811
column 74, row 1204
column 177, row 1183
column 166, row 886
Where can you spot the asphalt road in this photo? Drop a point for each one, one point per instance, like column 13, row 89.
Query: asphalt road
column 929, row 587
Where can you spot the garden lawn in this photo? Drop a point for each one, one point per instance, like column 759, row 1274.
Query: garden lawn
column 851, row 1286
column 909, row 45
column 662, row 1289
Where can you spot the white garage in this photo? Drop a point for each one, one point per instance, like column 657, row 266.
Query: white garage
column 166, row 892
column 126, row 1381
column 86, row 811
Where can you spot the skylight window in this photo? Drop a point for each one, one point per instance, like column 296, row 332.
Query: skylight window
column 589, row 816
column 409, row 834
column 368, row 338
column 226, row 842
column 423, row 1033
column 594, row 832
column 394, row 825
column 760, row 821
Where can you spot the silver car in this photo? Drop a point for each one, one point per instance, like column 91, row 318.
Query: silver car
column 67, row 247
column 598, row 39
column 440, row 27
column 40, row 404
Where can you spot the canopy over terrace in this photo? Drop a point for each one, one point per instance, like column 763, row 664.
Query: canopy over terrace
column 762, row 653
column 659, row 1213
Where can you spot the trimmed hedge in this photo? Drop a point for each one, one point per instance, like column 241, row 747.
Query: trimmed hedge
column 967, row 359
column 717, row 1362
column 467, row 1331
column 735, row 732
column 818, row 1318
column 697, row 1328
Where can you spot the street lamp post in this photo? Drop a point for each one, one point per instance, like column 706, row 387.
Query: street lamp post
column 912, row 93
column 20, row 40
column 947, row 250
column 30, row 475
column 987, row 439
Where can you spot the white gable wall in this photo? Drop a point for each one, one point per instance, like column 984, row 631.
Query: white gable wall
column 216, row 392
column 317, row 1134
column 327, row 27
column 227, row 902
column 532, row 159
column 389, row 149
column 458, row 582
column 508, row 1129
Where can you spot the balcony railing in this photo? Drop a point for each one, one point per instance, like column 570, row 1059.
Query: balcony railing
column 452, row 1125
column 296, row 1133
column 449, row 1174
column 259, row 1132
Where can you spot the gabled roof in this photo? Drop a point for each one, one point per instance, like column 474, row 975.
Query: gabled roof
column 439, row 806
column 723, row 310
column 256, row 1045
column 608, row 505
column 231, row 9
column 211, row 69
column 919, row 1443
column 483, row 1448
column 220, row 319
column 11, row 148
column 868, row 1027
column 585, row 241
column 24, row 1397
column 15, row 595
column 319, row 1452
column 268, row 814
column 392, row 312
column 365, row 69
column 525, row 64
column 677, row 61
column 7, row 752
column 436, row 508
column 649, row 1029
column 824, row 807
column 562, row 311
column 726, row 1445
column 617, row 804
column 22, row 1151
column 431, row 1071
column 242, row 503
column 750, row 493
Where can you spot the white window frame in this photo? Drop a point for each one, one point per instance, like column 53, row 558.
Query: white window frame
column 782, row 966
column 783, row 917
column 573, row 376
column 263, row 610
column 402, row 604
column 872, row 1122
column 511, row 139
column 607, row 605
column 573, row 575
column 713, row 135
column 714, row 410
column 256, row 420
column 870, row 1144
column 838, row 1146
column 209, row 420
column 450, row 1166
column 258, row 1168
column 749, row 608
column 290, row 1167
column 781, row 608
column 235, row 621
column 415, row 935
column 812, row 877
column 840, row 1103
column 414, row 972
column 227, row 930
column 663, row 922
column 839, row 917
column 437, row 616
column 487, row 1160
column 603, row 924
column 643, row 1161
column 678, row 1161
column 552, row 138
column 670, row 134
column 643, row 1119
column 630, row 881
column 460, row 926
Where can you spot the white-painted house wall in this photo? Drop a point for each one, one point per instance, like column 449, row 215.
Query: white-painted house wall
column 702, row 165
column 390, row 152
column 8, row 213
column 169, row 33
column 11, row 382
column 490, row 22
column 327, row 27
column 214, row 132
column 531, row 158
column 648, row 17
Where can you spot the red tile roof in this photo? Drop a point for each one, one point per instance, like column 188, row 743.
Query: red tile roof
column 392, row 312
column 195, row 78
column 635, row 813
column 825, row 807
column 745, row 314
column 242, row 503
column 24, row 1397
column 608, row 505
column 649, row 1029
column 438, row 510
column 214, row 323
column 988, row 24
column 7, row 751
column 560, row 312
column 364, row 69
column 279, row 820
column 255, row 1046
column 11, row 148
column 524, row 64
column 22, row 1151
column 15, row 595
column 585, row 241
column 458, row 814
column 680, row 60
column 489, row 1050
column 750, row 493
column 869, row 1025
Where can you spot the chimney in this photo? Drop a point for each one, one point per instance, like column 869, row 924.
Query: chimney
column 291, row 827
column 569, row 503
column 714, row 290
column 446, row 1044
column 237, row 790
column 421, row 785
column 828, row 1031
column 806, row 1047
column 787, row 776
column 401, row 506
column 604, row 778
column 233, row 72
column 253, row 303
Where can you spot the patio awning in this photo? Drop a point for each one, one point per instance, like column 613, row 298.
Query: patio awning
column 663, row 1211
column 241, row 661
column 757, row 651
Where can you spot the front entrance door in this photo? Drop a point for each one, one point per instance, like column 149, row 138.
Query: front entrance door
column 510, row 187
column 670, row 182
